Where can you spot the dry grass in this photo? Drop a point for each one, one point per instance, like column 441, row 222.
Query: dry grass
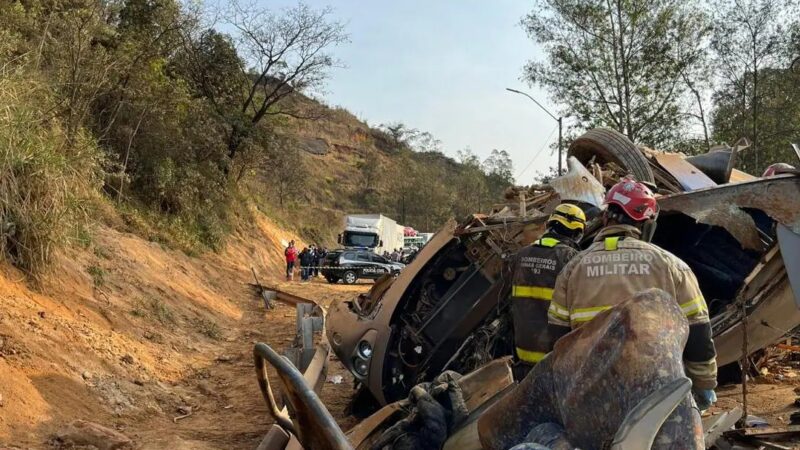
column 46, row 178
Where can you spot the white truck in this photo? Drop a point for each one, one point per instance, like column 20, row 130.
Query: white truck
column 375, row 232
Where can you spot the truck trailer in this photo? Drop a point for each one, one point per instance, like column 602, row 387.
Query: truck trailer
column 375, row 232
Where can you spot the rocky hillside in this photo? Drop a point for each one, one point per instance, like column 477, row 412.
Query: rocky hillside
column 347, row 166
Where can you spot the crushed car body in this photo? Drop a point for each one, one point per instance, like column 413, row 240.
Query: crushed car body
column 448, row 311
column 613, row 399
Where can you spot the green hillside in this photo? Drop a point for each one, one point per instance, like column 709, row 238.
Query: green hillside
column 140, row 114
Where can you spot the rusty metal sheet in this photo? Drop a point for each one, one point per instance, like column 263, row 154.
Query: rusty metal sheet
column 767, row 431
column 789, row 243
column 484, row 383
column 689, row 176
column 276, row 439
column 376, row 423
column 465, row 438
column 777, row 310
column 284, row 297
column 714, row 426
column 579, row 184
column 345, row 328
column 778, row 197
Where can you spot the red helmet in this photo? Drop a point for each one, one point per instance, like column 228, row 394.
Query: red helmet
column 635, row 199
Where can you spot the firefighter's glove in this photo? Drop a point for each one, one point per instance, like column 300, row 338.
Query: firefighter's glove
column 705, row 398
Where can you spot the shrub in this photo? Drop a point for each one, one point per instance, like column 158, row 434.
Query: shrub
column 98, row 275
column 153, row 308
column 45, row 178
column 208, row 328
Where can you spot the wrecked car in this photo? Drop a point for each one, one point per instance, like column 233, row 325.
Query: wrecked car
column 648, row 400
column 448, row 310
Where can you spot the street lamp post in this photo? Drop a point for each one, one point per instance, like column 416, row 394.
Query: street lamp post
column 557, row 119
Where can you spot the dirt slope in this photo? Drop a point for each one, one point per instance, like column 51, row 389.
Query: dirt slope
column 125, row 332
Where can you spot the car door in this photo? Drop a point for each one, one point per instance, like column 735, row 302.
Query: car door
column 366, row 268
column 382, row 263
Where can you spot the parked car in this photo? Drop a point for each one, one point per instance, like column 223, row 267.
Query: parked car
column 350, row 265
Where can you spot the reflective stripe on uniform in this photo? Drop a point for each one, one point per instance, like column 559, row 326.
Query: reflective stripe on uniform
column 693, row 306
column 586, row 314
column 530, row 356
column 611, row 243
column 558, row 311
column 535, row 292
column 547, row 242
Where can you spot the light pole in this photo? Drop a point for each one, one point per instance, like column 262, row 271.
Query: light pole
column 557, row 119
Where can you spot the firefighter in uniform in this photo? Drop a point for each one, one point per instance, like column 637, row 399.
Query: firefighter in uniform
column 621, row 263
column 535, row 268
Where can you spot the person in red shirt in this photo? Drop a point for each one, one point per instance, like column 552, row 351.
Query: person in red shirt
column 291, row 258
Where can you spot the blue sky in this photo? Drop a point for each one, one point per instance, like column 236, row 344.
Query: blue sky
column 442, row 67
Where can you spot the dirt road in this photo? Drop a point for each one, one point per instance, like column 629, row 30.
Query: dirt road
column 229, row 412
column 126, row 333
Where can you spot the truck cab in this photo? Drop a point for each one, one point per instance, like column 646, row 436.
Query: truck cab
column 360, row 238
column 374, row 232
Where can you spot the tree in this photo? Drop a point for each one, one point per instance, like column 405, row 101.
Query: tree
column 794, row 47
column 618, row 63
column 285, row 169
column 370, row 168
column 425, row 142
column 469, row 185
column 546, row 177
column 399, row 133
column 275, row 56
column 778, row 118
column 499, row 170
column 697, row 80
column 403, row 136
column 499, row 164
column 749, row 35
column 468, row 158
column 402, row 190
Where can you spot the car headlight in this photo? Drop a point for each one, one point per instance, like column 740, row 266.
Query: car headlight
column 365, row 349
column 360, row 366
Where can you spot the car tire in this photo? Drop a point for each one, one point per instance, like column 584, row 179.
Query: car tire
column 349, row 277
column 608, row 145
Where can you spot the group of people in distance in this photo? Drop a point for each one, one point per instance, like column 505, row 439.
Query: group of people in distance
column 396, row 255
column 309, row 260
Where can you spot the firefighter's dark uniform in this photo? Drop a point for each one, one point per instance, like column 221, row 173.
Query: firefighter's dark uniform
column 535, row 270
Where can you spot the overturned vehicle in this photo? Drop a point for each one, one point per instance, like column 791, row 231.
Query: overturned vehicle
column 448, row 310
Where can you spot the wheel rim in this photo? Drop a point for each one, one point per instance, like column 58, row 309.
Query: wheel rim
column 350, row 277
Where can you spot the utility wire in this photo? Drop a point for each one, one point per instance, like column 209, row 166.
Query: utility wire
column 547, row 141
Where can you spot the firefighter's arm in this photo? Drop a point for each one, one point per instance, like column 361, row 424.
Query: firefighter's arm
column 558, row 313
column 700, row 356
